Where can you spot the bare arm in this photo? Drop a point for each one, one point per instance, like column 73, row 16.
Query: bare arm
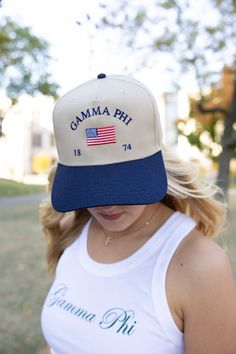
column 210, row 317
column 207, row 295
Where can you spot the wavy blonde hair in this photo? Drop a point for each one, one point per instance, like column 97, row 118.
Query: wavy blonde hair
column 186, row 193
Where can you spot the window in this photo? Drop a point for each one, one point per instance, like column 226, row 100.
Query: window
column 37, row 140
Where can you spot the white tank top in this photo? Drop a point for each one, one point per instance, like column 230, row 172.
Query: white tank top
column 95, row 308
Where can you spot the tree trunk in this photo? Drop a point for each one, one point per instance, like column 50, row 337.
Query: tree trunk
column 223, row 177
column 228, row 148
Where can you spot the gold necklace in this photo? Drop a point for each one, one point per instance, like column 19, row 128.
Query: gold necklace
column 110, row 238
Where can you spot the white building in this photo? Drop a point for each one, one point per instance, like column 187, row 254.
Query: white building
column 27, row 129
column 173, row 106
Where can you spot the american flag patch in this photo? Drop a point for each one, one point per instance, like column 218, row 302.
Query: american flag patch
column 101, row 136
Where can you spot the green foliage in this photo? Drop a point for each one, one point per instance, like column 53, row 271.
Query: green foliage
column 195, row 138
column 206, row 135
column 166, row 42
column 168, row 4
column 140, row 17
column 24, row 61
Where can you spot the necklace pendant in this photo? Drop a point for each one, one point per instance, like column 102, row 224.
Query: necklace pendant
column 108, row 240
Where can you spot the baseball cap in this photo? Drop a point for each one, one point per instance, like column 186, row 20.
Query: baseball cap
column 109, row 138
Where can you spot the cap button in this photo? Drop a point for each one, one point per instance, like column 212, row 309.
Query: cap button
column 101, row 76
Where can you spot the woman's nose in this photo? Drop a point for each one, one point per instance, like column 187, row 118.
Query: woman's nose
column 108, row 207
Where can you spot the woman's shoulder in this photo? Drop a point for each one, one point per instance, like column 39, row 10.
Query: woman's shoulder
column 199, row 257
column 199, row 275
column 198, row 266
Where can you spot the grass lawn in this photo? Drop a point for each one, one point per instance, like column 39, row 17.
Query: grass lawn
column 11, row 188
column 24, row 279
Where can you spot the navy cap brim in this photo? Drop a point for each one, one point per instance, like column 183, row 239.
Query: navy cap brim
column 142, row 181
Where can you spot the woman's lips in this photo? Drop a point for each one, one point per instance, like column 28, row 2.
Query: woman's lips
column 111, row 216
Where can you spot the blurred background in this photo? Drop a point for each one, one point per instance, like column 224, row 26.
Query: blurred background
column 184, row 51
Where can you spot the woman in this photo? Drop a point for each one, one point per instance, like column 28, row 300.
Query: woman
column 129, row 230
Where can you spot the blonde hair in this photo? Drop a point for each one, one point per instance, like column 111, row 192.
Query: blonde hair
column 186, row 193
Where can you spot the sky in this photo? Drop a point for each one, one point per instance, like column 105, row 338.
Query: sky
column 55, row 21
column 71, row 44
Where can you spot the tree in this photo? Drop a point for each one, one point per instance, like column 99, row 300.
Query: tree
column 24, row 61
column 206, row 121
column 194, row 43
column 225, row 107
